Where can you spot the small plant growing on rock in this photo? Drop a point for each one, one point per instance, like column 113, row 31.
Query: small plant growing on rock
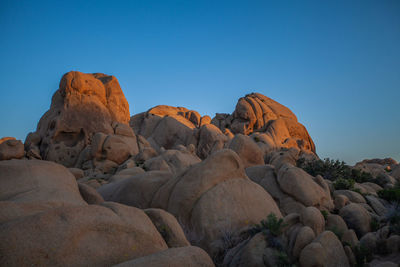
column 271, row 228
column 282, row 259
column 272, row 225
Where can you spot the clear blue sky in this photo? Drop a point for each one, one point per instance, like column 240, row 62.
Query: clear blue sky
column 336, row 64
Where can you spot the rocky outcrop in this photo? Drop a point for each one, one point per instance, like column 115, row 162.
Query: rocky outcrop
column 83, row 105
column 211, row 183
column 166, row 126
column 258, row 113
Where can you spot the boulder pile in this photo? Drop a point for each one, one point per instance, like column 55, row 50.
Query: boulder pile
column 93, row 186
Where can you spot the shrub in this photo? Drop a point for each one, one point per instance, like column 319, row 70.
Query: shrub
column 361, row 176
column 272, row 225
column 271, row 228
column 334, row 170
column 282, row 259
column 329, row 169
column 390, row 194
column 343, row 184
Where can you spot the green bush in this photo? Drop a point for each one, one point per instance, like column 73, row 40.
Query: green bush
column 361, row 176
column 327, row 168
column 283, row 260
column 272, row 225
column 343, row 184
column 390, row 194
column 334, row 170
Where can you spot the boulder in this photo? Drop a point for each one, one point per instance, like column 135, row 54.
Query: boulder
column 83, row 105
column 304, row 237
column 369, row 241
column 168, row 227
column 137, row 191
column 31, row 145
column 79, row 236
column 78, row 173
column 351, row 195
column 247, row 150
column 264, row 175
column 313, row 255
column 326, row 248
column 244, row 203
column 38, row 182
column 356, row 218
column 11, row 148
column 194, row 198
column 89, row 194
column 302, row 187
column 252, row 253
column 340, row 201
column 175, row 161
column 377, row 204
column 349, row 237
column 173, row 257
column 313, row 218
column 211, row 139
column 335, row 223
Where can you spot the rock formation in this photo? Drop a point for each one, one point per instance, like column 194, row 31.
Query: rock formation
column 257, row 113
column 93, row 186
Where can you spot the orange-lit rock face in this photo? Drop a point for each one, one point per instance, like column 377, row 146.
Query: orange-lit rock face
column 168, row 126
column 258, row 113
column 83, row 105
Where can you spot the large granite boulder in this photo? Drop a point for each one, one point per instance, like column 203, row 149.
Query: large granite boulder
column 194, row 198
column 38, row 182
column 91, row 235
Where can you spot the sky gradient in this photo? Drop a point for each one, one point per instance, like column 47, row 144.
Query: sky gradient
column 335, row 64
